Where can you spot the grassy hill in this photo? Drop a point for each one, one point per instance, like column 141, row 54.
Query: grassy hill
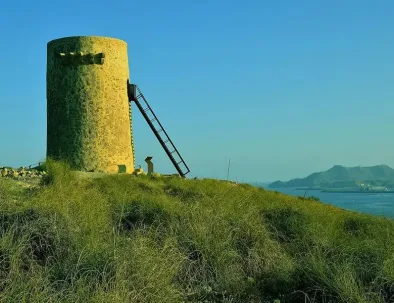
column 128, row 238
column 340, row 176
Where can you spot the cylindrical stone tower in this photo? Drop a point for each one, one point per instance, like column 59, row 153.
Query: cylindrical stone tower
column 88, row 114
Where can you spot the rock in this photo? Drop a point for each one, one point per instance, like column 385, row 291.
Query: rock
column 138, row 171
column 21, row 172
column 4, row 172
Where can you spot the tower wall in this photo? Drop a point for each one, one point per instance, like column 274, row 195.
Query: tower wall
column 88, row 117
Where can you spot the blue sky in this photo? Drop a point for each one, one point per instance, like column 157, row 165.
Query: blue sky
column 283, row 88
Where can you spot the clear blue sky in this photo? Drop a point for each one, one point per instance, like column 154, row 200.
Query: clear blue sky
column 283, row 88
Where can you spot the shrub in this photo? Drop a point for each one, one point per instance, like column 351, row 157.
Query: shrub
column 57, row 173
column 286, row 224
column 142, row 214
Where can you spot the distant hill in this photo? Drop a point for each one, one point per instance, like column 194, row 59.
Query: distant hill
column 343, row 177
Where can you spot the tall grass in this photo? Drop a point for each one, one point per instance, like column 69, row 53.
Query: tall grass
column 123, row 238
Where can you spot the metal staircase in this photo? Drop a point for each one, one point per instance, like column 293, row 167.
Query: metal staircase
column 136, row 95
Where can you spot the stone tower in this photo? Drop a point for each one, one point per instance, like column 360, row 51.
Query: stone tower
column 88, row 113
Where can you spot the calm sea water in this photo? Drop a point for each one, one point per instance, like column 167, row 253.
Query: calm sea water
column 376, row 204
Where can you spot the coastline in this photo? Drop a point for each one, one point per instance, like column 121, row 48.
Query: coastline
column 340, row 190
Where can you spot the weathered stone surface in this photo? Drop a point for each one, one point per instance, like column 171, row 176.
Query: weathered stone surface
column 88, row 119
column 4, row 172
column 139, row 171
column 20, row 173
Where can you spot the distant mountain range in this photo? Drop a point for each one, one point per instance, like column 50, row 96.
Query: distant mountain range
column 344, row 177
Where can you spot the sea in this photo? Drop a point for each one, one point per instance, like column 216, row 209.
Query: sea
column 380, row 204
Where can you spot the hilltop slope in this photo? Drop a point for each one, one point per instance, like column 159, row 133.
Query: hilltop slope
column 340, row 176
column 128, row 238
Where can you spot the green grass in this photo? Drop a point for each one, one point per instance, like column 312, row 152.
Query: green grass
column 125, row 238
